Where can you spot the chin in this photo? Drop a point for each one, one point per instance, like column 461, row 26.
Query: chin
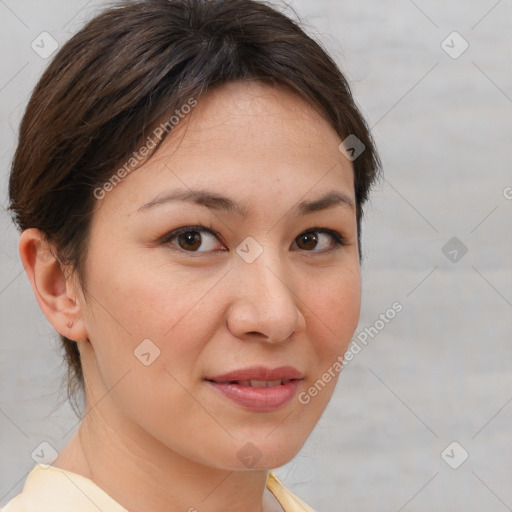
column 267, row 450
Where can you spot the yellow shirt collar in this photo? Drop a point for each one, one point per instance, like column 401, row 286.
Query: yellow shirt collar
column 61, row 490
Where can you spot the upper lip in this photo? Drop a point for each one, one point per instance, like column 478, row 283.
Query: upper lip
column 260, row 373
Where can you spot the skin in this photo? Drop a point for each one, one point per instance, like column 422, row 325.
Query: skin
column 159, row 437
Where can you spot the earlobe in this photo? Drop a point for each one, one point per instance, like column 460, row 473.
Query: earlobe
column 55, row 291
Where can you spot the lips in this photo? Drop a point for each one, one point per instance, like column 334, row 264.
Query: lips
column 253, row 383
column 259, row 388
column 259, row 376
column 258, row 399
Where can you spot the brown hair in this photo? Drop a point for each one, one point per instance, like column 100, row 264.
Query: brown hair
column 122, row 72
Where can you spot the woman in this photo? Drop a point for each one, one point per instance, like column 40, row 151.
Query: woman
column 189, row 184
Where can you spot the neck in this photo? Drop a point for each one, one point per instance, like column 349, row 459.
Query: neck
column 143, row 475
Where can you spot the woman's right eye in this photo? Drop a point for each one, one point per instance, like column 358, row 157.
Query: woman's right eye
column 193, row 239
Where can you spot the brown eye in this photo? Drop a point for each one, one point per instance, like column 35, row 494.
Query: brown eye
column 190, row 240
column 320, row 240
column 193, row 239
column 307, row 241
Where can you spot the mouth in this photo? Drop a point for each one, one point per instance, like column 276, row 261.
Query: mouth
column 257, row 395
column 255, row 383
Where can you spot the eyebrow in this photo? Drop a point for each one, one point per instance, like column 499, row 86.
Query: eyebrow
column 216, row 201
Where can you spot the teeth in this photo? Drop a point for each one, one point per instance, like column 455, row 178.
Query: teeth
column 261, row 383
column 258, row 383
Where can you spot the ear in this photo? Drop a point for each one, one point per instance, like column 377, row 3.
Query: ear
column 56, row 293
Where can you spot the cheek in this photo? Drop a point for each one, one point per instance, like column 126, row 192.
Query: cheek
column 332, row 320
column 335, row 310
column 148, row 331
column 144, row 301
column 171, row 317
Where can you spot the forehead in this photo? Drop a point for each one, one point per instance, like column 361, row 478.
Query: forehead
column 241, row 136
column 260, row 113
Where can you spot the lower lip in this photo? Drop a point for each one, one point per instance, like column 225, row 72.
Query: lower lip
column 259, row 399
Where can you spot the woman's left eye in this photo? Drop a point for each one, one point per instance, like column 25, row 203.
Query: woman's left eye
column 326, row 239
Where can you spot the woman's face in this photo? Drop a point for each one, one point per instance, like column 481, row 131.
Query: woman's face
column 264, row 283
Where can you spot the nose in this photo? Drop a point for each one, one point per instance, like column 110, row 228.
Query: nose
column 265, row 304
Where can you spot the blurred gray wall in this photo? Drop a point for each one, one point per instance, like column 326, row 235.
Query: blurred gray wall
column 437, row 239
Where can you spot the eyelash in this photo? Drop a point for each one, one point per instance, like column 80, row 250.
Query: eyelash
column 338, row 239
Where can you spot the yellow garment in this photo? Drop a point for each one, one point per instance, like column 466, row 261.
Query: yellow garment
column 58, row 490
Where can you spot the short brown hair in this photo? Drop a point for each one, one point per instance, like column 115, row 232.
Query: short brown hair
column 122, row 72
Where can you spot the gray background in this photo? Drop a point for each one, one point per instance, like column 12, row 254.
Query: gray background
column 437, row 373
